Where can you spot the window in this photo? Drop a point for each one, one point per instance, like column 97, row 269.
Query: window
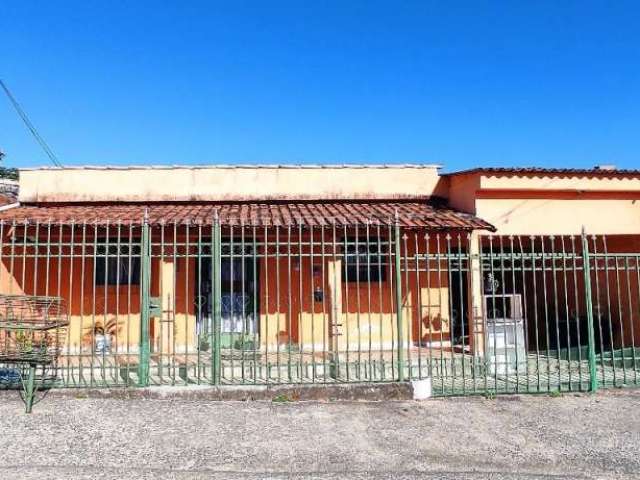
column 365, row 261
column 117, row 265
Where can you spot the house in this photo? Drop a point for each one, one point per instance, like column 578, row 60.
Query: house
column 258, row 274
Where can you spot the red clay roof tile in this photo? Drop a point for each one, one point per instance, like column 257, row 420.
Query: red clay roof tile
column 431, row 215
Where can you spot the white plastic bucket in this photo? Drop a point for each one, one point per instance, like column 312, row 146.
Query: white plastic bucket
column 421, row 389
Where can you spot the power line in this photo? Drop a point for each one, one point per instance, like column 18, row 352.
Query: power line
column 30, row 126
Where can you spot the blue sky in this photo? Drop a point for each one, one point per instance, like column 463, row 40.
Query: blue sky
column 462, row 84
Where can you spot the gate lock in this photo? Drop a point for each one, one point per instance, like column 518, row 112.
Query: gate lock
column 155, row 307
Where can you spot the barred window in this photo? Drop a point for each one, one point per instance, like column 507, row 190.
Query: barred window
column 117, row 264
column 365, row 261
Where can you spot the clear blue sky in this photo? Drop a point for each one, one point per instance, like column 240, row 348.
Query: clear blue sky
column 474, row 84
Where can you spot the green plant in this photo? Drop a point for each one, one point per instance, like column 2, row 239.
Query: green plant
column 281, row 398
column 204, row 345
column 244, row 344
column 24, row 341
column 490, row 395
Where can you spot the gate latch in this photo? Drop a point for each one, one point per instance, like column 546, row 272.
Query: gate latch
column 155, row 307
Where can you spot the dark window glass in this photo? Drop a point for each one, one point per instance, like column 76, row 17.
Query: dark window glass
column 365, row 261
column 117, row 265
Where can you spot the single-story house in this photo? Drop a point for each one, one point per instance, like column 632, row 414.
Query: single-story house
column 258, row 274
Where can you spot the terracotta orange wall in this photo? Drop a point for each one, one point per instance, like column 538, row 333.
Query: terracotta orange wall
column 364, row 310
column 462, row 192
column 623, row 297
column 89, row 306
column 523, row 205
column 620, row 302
column 367, row 310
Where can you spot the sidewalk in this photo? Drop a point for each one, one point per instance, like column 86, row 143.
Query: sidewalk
column 573, row 436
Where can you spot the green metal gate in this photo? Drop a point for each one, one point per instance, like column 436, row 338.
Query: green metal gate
column 209, row 303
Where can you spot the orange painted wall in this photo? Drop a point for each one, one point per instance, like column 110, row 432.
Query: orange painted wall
column 550, row 299
column 282, row 315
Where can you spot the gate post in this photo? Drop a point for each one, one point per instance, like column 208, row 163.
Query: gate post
column 216, row 266
column 475, row 308
column 398, row 292
column 145, row 284
column 586, row 269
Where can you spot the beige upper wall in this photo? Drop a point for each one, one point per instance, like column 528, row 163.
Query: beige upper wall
column 514, row 203
column 554, row 204
column 560, row 217
column 227, row 183
column 558, row 182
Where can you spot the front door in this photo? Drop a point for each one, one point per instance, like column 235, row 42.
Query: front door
column 238, row 302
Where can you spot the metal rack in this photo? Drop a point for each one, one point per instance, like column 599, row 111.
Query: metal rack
column 32, row 333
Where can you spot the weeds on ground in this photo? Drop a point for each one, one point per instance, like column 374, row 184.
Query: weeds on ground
column 281, row 398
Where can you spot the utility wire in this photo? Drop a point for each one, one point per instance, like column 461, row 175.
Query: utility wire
column 30, row 126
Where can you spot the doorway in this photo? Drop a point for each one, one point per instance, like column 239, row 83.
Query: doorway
column 238, row 301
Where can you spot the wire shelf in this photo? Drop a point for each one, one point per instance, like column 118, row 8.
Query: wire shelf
column 32, row 328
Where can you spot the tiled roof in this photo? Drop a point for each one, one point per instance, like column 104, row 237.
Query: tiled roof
column 8, row 191
column 547, row 171
column 7, row 199
column 425, row 214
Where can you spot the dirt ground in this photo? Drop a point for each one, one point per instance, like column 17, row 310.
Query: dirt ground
column 529, row 437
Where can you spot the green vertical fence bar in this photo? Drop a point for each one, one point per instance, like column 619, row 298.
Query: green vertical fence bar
column 145, row 284
column 586, row 269
column 30, row 389
column 398, row 292
column 562, row 313
column 216, row 260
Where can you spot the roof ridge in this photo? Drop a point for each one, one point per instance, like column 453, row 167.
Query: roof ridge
column 238, row 166
column 432, row 200
column 545, row 170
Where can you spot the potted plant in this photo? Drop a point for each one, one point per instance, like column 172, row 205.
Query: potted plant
column 102, row 340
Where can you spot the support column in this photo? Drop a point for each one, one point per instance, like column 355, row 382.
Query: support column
column 475, row 307
column 398, row 297
column 167, row 295
column 334, row 273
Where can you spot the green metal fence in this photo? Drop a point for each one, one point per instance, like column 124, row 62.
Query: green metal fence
column 194, row 303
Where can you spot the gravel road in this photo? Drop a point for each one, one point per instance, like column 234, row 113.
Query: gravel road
column 524, row 437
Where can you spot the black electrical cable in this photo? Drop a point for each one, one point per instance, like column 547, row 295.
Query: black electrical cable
column 30, row 126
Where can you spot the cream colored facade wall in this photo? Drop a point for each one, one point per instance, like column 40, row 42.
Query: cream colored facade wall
column 558, row 182
column 220, row 184
column 554, row 214
column 557, row 216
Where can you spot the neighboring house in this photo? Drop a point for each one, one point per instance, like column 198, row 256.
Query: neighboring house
column 8, row 192
column 330, row 273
